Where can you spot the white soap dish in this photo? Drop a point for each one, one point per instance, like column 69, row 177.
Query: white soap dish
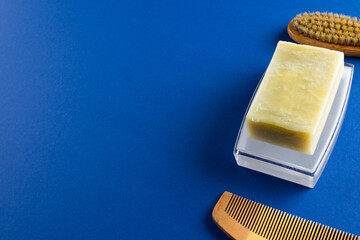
column 288, row 164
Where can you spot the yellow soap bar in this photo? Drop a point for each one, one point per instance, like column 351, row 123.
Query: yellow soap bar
column 295, row 96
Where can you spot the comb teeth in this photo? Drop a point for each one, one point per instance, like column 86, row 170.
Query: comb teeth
column 329, row 27
column 273, row 224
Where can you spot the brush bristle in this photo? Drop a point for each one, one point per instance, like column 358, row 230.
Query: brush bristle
column 329, row 27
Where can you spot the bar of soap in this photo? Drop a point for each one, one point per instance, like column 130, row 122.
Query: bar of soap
column 295, row 96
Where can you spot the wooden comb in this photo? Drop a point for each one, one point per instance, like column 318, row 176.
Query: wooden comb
column 243, row 219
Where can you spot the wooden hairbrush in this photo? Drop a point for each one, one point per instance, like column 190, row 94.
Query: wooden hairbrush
column 327, row 30
column 243, row 219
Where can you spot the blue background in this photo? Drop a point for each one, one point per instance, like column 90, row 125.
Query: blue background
column 118, row 118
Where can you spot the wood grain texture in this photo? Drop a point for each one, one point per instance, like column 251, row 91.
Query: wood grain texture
column 350, row 51
column 243, row 219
